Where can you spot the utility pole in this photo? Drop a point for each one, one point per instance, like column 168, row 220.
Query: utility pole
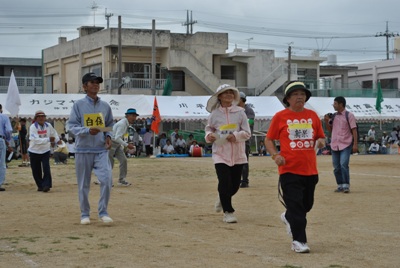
column 108, row 15
column 289, row 62
column 119, row 55
column 189, row 23
column 387, row 34
column 248, row 42
column 153, row 57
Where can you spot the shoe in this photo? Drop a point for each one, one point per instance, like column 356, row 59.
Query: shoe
column 284, row 220
column 46, row 189
column 300, row 247
column 218, row 206
column 96, row 182
column 346, row 190
column 2, row 189
column 339, row 190
column 229, row 217
column 244, row 185
column 106, row 219
column 124, row 183
column 40, row 189
column 85, row 221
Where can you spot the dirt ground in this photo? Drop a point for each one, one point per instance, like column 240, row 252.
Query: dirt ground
column 167, row 219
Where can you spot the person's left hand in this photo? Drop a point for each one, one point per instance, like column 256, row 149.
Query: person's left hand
column 108, row 142
column 321, row 143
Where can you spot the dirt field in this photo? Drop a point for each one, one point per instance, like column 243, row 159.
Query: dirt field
column 167, row 219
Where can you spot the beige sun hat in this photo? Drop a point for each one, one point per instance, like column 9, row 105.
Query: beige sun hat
column 213, row 101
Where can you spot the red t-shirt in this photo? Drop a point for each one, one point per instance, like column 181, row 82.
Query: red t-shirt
column 297, row 133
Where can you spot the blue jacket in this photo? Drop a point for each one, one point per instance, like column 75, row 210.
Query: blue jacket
column 86, row 143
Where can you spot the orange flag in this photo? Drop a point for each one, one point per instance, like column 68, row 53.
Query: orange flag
column 156, row 118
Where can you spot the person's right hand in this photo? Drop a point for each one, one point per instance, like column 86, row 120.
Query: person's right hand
column 94, row 131
column 131, row 146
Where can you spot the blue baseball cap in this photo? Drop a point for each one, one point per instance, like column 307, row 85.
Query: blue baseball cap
column 131, row 111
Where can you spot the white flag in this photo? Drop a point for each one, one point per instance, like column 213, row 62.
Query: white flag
column 13, row 101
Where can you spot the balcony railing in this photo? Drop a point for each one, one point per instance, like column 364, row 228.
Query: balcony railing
column 26, row 85
column 134, row 83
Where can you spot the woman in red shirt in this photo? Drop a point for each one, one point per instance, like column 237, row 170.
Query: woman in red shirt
column 299, row 130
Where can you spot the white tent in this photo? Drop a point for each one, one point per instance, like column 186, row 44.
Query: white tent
column 172, row 108
column 363, row 108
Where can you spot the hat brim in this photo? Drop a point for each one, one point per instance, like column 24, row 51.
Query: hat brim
column 308, row 94
column 213, row 101
column 132, row 113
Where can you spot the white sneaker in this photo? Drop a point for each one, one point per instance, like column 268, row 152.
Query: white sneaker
column 284, row 220
column 106, row 219
column 229, row 217
column 85, row 221
column 300, row 247
column 97, row 182
column 218, row 206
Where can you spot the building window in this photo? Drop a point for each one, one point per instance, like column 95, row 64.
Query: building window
column 367, row 84
column 228, row 72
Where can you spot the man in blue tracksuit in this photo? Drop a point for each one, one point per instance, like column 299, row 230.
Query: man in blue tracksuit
column 91, row 122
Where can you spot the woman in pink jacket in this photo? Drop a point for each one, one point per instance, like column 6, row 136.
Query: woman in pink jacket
column 227, row 129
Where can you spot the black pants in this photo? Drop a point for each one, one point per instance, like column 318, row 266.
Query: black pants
column 149, row 150
column 39, row 161
column 228, row 184
column 298, row 195
column 245, row 172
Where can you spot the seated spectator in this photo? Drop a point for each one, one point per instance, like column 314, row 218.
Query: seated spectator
column 71, row 147
column 189, row 142
column 180, row 145
column 374, row 148
column 192, row 150
column 61, row 153
column 168, row 148
column 261, row 149
column 163, row 140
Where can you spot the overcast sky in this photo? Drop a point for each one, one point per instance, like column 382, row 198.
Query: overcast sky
column 345, row 28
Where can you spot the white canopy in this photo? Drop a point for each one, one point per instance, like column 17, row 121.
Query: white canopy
column 363, row 108
column 172, row 108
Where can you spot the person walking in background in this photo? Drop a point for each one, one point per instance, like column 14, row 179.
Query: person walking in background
column 227, row 129
column 250, row 116
column 5, row 139
column 298, row 129
column 384, row 142
column 147, row 138
column 88, row 117
column 343, row 127
column 23, row 143
column 118, row 145
column 42, row 136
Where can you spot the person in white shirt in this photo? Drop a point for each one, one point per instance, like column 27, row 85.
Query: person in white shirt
column 194, row 145
column 42, row 136
column 168, row 148
column 374, row 148
column 147, row 138
column 180, row 145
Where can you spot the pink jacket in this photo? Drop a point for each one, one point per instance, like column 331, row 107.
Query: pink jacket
column 229, row 153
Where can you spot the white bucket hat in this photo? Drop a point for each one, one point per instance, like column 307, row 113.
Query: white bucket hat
column 213, row 101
